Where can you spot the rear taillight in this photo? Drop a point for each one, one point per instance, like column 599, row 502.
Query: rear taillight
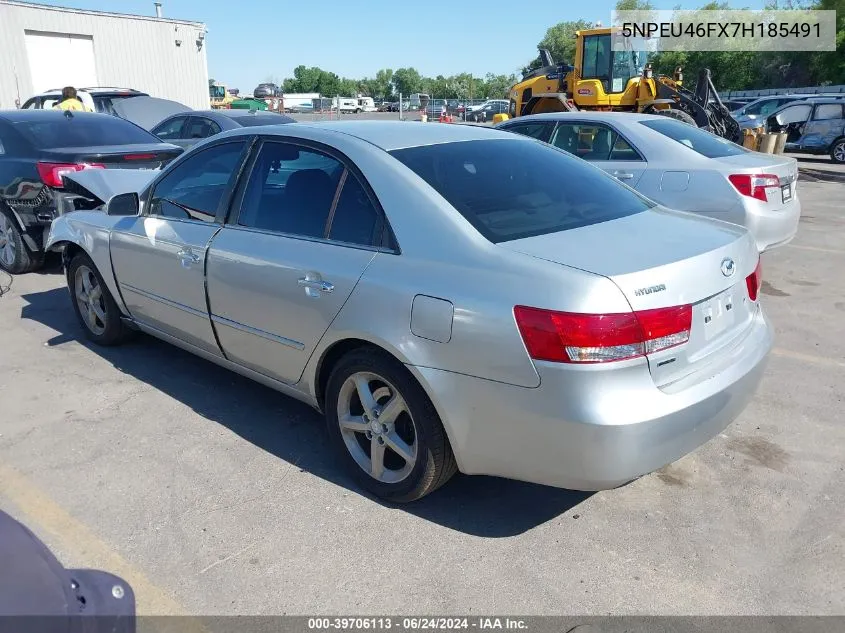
column 567, row 337
column 754, row 185
column 51, row 173
column 754, row 281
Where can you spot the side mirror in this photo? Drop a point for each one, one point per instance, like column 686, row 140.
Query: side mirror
column 124, row 204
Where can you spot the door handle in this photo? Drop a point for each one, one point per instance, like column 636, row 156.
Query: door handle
column 623, row 175
column 314, row 284
column 187, row 256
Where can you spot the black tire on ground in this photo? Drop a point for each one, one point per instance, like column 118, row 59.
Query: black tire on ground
column 435, row 462
column 15, row 256
column 837, row 151
column 109, row 329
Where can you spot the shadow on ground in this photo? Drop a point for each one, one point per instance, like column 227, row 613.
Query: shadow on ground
column 481, row 506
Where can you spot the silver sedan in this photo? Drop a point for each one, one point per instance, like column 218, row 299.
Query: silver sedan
column 681, row 166
column 439, row 292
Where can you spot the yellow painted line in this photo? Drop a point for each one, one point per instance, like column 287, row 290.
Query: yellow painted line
column 44, row 514
column 808, row 358
column 817, row 249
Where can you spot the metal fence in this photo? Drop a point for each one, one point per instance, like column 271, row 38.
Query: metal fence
column 730, row 94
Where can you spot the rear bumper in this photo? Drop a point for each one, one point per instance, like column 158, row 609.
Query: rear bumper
column 773, row 228
column 594, row 428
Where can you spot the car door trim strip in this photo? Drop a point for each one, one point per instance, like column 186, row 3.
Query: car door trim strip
column 167, row 302
column 251, row 330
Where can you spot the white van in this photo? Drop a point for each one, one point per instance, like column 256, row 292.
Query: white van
column 344, row 104
column 366, row 104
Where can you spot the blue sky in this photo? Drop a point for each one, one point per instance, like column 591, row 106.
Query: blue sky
column 255, row 40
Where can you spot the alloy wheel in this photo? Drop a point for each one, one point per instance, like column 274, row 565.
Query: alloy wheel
column 7, row 241
column 89, row 299
column 839, row 152
column 377, row 427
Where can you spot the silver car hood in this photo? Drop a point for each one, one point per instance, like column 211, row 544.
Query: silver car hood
column 104, row 184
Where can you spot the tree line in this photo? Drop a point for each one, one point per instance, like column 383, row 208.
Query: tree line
column 388, row 83
column 734, row 70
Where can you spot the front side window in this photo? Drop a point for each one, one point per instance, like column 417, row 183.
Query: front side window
column 291, row 190
column 510, row 189
column 194, row 188
column 170, row 130
column 592, row 141
column 794, row 114
column 698, row 140
column 539, row 131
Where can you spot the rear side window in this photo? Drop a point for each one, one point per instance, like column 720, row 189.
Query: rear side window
column 511, row 189
column 355, row 219
column 827, row 111
column 592, row 141
column 82, row 131
column 696, row 139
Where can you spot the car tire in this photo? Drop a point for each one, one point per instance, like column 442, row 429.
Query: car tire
column 417, row 425
column 15, row 256
column 837, row 151
column 678, row 115
column 101, row 320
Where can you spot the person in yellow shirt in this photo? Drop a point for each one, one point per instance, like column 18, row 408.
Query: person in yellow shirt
column 70, row 101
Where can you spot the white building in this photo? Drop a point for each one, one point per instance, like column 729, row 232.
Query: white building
column 44, row 47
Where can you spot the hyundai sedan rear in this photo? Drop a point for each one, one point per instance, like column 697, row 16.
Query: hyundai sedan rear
column 441, row 294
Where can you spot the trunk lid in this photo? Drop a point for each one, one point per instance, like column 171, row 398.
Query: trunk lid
column 661, row 258
column 136, row 156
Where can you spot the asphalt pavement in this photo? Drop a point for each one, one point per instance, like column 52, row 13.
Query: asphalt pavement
column 211, row 494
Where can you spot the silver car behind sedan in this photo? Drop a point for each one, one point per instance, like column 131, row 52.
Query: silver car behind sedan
column 439, row 292
column 681, row 166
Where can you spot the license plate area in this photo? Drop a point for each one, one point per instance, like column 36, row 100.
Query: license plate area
column 786, row 192
column 718, row 314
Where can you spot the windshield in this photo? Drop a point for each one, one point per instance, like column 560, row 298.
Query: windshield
column 217, row 92
column 696, row 139
column 511, row 189
column 612, row 68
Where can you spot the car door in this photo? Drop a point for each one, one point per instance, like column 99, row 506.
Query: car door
column 159, row 256
column 825, row 125
column 602, row 145
column 792, row 120
column 306, row 228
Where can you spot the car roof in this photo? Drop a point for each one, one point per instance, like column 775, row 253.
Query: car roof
column 96, row 92
column 817, row 101
column 584, row 115
column 392, row 135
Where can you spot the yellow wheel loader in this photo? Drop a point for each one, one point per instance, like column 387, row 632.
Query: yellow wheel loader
column 621, row 81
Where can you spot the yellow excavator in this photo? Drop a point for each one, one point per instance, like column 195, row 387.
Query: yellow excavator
column 619, row 80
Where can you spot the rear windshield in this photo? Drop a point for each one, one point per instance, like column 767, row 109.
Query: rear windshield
column 696, row 139
column 511, row 189
column 78, row 131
